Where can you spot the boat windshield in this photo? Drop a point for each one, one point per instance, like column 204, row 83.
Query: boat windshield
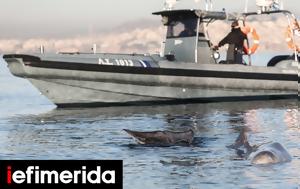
column 183, row 28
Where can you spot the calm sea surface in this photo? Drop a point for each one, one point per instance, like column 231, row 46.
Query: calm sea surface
column 31, row 128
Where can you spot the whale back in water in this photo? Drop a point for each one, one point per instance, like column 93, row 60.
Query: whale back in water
column 270, row 154
column 162, row 138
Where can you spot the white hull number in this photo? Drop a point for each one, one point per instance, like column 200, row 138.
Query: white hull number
column 116, row 62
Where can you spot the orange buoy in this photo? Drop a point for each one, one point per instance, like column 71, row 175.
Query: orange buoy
column 256, row 39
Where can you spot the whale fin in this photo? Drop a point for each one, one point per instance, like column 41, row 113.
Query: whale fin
column 242, row 140
column 242, row 145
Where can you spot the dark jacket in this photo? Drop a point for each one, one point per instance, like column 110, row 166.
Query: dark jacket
column 236, row 37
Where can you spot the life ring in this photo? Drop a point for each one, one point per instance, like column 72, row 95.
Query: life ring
column 256, row 40
column 289, row 37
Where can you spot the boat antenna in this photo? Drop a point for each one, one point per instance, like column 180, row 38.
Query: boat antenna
column 281, row 5
column 94, row 48
column 170, row 4
column 197, row 1
column 42, row 49
column 246, row 5
column 208, row 5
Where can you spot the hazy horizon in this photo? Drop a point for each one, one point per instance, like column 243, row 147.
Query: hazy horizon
column 64, row 18
column 126, row 26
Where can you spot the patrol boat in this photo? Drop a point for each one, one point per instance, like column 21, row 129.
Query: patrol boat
column 186, row 71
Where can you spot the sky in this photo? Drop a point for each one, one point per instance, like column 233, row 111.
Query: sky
column 114, row 25
column 63, row 18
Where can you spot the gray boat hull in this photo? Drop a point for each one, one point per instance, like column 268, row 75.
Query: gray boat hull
column 67, row 83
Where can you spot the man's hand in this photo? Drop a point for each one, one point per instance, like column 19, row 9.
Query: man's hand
column 215, row 48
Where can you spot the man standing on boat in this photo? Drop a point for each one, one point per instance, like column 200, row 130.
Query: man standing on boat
column 235, row 39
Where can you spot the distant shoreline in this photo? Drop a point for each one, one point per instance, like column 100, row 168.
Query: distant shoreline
column 143, row 39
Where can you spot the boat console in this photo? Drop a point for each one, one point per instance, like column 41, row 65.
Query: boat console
column 186, row 37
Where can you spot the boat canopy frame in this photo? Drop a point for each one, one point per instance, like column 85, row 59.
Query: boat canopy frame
column 289, row 15
column 196, row 13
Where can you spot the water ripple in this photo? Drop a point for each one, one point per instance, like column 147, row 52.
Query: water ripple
column 207, row 163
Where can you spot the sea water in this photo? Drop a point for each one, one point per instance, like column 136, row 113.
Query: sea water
column 31, row 128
